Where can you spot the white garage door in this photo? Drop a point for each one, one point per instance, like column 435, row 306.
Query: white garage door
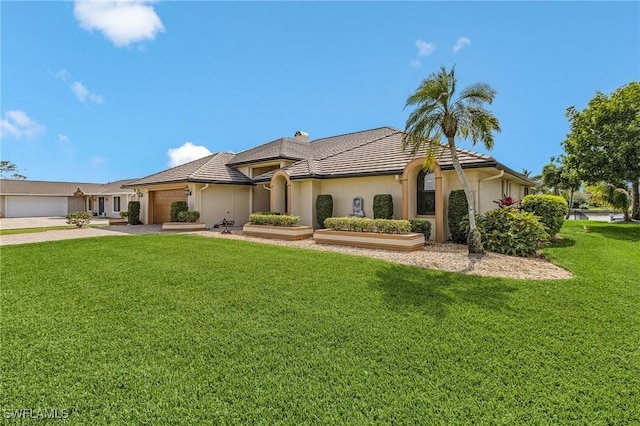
column 28, row 206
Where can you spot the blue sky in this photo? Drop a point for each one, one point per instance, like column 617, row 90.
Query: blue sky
column 105, row 91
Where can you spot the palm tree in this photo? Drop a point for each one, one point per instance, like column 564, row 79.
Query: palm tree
column 440, row 113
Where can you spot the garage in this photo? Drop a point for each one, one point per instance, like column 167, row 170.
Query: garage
column 31, row 206
column 161, row 202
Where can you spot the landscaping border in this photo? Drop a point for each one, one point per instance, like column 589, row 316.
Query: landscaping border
column 401, row 242
column 289, row 233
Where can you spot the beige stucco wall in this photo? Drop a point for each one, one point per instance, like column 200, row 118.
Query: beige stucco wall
column 345, row 190
column 2, row 207
column 221, row 201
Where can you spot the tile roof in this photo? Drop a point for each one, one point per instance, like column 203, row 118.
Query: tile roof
column 369, row 152
column 210, row 169
column 285, row 148
column 37, row 187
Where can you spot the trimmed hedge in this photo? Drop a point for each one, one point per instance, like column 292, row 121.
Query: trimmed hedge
column 422, row 227
column 550, row 209
column 458, row 209
column 382, row 206
column 79, row 218
column 189, row 216
column 364, row 224
column 133, row 212
column 324, row 208
column 273, row 219
column 176, row 208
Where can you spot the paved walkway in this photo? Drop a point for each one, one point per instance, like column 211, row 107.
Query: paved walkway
column 67, row 234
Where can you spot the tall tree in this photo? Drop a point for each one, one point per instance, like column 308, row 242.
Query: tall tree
column 442, row 112
column 603, row 144
column 8, row 170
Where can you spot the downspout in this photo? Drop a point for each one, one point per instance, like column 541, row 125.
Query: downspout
column 498, row 176
column 200, row 197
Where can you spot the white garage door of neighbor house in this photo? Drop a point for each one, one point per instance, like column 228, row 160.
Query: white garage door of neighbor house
column 28, row 206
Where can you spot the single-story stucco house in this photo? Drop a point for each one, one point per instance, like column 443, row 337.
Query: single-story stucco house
column 31, row 198
column 287, row 174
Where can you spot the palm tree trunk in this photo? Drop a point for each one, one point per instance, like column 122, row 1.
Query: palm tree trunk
column 474, row 239
column 570, row 204
column 635, row 191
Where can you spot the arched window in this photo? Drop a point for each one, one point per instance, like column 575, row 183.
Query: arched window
column 426, row 194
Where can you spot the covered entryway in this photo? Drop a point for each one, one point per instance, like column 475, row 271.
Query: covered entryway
column 35, row 206
column 161, row 204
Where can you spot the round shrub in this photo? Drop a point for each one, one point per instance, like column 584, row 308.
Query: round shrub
column 510, row 231
column 365, row 224
column 550, row 209
column 382, row 206
column 421, row 226
column 133, row 212
column 79, row 218
column 177, row 207
column 189, row 216
column 324, row 208
column 458, row 209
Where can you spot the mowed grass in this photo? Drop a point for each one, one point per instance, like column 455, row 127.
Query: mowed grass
column 181, row 329
column 43, row 229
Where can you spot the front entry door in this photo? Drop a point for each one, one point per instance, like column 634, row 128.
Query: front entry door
column 100, row 205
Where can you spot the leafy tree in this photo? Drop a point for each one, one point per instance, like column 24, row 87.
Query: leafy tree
column 440, row 111
column 604, row 142
column 613, row 196
column 7, row 167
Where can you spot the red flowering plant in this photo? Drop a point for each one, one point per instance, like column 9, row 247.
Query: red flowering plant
column 508, row 201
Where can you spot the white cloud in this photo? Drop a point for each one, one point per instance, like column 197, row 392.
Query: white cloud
column 83, row 94
column 80, row 90
column 462, row 41
column 121, row 21
column 18, row 124
column 187, row 152
column 63, row 138
column 65, row 144
column 415, row 63
column 424, row 48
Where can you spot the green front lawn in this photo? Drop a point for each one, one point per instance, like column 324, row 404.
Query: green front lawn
column 182, row 329
column 44, row 229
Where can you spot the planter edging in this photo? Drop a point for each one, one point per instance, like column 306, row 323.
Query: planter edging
column 289, row 233
column 402, row 242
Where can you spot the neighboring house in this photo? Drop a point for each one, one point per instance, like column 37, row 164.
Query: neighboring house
column 27, row 198
column 287, row 175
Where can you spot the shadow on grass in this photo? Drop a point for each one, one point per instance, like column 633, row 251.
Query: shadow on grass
column 436, row 292
column 562, row 242
column 626, row 231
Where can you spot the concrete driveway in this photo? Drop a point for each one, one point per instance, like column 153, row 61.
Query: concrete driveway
column 66, row 234
column 42, row 222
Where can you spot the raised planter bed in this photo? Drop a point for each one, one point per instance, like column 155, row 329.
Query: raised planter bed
column 118, row 221
column 184, row 226
column 278, row 232
column 402, row 242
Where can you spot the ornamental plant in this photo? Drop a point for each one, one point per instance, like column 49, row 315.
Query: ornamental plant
column 78, row 218
column 382, row 206
column 176, row 208
column 550, row 209
column 507, row 201
column 274, row 219
column 324, row 208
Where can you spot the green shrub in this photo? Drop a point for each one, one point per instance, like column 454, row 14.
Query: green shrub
column 382, row 206
column 124, row 215
column 458, row 209
column 510, row 231
column 79, row 218
column 189, row 216
column 273, row 219
column 421, row 226
column 363, row 224
column 133, row 212
column 324, row 208
column 550, row 209
column 177, row 207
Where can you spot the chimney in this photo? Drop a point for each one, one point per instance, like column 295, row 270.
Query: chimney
column 301, row 136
